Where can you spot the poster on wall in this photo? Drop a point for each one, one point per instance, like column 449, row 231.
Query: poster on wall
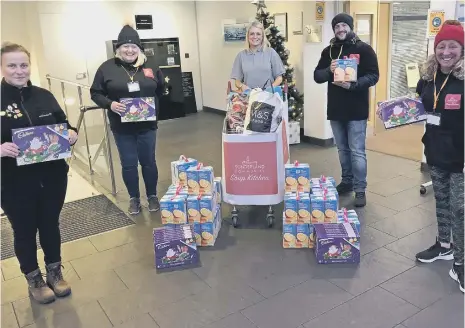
column 460, row 12
column 234, row 31
column 435, row 21
column 320, row 11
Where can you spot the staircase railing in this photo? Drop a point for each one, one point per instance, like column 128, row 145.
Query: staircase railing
column 104, row 144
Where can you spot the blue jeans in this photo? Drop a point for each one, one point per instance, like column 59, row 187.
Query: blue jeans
column 138, row 148
column 350, row 137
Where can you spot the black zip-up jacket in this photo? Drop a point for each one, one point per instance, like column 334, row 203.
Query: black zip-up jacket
column 444, row 144
column 111, row 84
column 352, row 104
column 36, row 107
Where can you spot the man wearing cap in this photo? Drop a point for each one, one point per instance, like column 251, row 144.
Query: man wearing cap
column 348, row 103
column 127, row 76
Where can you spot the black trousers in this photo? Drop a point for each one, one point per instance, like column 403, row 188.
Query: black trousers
column 35, row 207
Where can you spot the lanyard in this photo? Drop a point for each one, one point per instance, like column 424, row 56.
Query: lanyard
column 436, row 94
column 340, row 52
column 131, row 77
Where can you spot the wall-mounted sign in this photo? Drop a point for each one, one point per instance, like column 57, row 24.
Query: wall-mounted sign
column 320, row 11
column 435, row 21
column 314, row 33
column 460, row 12
column 144, row 22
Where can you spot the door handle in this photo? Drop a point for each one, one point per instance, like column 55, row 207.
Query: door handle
column 81, row 76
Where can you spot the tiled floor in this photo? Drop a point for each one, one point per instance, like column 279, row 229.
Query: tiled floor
column 247, row 280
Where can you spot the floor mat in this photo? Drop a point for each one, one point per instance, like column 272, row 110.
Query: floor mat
column 79, row 219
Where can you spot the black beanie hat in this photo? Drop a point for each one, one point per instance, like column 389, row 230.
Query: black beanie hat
column 128, row 35
column 343, row 18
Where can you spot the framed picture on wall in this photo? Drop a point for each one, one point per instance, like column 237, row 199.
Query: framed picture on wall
column 234, row 32
column 280, row 20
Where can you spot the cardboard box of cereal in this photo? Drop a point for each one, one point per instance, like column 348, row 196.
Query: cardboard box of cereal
column 302, row 235
column 348, row 216
column 179, row 169
column 318, row 208
column 311, row 236
column 200, row 180
column 289, row 233
column 290, row 207
column 297, row 177
column 197, row 233
column 330, row 208
column 219, row 191
column 193, row 209
column 177, row 190
column 210, row 230
column 346, row 70
column 173, row 209
column 304, row 209
column 207, row 207
column 337, row 243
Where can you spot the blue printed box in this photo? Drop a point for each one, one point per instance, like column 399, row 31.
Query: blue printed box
column 297, row 177
column 179, row 169
column 218, row 189
column 337, row 243
column 175, row 247
column 41, row 143
column 318, row 208
column 207, row 208
column 210, row 230
column 138, row 109
column 349, row 216
column 330, row 208
column 311, row 236
column 173, row 209
column 304, row 209
column 197, row 233
column 291, row 208
column 346, row 70
column 174, row 190
column 289, row 233
column 200, row 180
column 302, row 235
column 193, row 209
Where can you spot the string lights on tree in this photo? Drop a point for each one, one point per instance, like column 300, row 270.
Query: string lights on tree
column 277, row 41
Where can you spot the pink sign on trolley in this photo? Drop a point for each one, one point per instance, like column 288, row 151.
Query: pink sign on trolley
column 251, row 168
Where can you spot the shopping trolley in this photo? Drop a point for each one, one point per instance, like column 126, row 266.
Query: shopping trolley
column 253, row 166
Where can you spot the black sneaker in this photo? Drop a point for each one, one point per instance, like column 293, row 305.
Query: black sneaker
column 456, row 273
column 154, row 204
column 344, row 188
column 436, row 252
column 360, row 199
column 134, row 206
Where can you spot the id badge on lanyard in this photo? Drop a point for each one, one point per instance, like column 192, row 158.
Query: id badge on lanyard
column 133, row 86
column 435, row 118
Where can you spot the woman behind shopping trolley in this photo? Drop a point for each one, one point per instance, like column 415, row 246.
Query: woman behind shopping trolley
column 258, row 64
column 32, row 195
column 442, row 90
column 126, row 76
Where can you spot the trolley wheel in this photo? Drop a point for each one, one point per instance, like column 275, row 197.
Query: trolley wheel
column 270, row 220
column 234, row 218
column 422, row 190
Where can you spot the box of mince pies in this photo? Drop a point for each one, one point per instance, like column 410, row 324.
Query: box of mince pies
column 346, row 70
column 175, row 246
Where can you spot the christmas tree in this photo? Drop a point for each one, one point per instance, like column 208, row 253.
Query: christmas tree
column 276, row 39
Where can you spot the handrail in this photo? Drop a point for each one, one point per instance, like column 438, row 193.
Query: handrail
column 48, row 76
column 105, row 142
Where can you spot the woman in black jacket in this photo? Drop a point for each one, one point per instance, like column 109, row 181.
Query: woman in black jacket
column 442, row 90
column 126, row 76
column 32, row 195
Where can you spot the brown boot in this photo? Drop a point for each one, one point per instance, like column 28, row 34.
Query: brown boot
column 55, row 280
column 38, row 289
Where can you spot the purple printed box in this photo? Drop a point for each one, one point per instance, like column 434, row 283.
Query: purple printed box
column 401, row 111
column 337, row 243
column 41, row 143
column 175, row 246
column 139, row 109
